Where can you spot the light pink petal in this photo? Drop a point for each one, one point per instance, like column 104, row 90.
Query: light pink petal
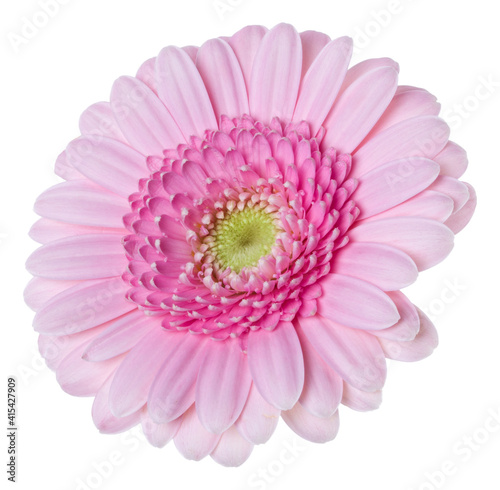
column 453, row 188
column 422, row 136
column 276, row 364
column 192, row 440
column 428, row 204
column 356, row 303
column 173, row 390
column 309, row 427
column 40, row 290
column 181, row 89
column 258, row 419
column 65, row 170
column 386, row 267
column 393, row 183
column 104, row 420
column 245, row 44
column 408, row 102
column 358, row 108
column 221, row 73
column 83, row 378
column 426, row 241
column 82, row 202
column 276, row 72
column 232, row 449
column 158, row 435
column 452, row 160
column 120, row 337
column 192, row 51
column 130, row 387
column 322, row 386
column 361, row 401
column 459, row 220
column 353, row 354
column 109, row 163
column 83, row 306
column 407, row 327
column 312, row 44
column 98, row 121
column 419, row 348
column 142, row 117
column 222, row 386
column 322, row 82
column 79, row 257
column 147, row 74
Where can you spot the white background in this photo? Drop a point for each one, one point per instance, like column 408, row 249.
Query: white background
column 430, row 408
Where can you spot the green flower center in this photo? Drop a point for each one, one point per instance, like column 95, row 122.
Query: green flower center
column 242, row 238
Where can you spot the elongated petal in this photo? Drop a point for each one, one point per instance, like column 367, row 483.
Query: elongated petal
column 354, row 354
column 232, row 449
column 158, row 435
column 312, row 44
column 459, row 220
column 276, row 74
column 452, row 159
column 311, row 428
column 40, row 290
column 98, row 120
column 342, row 297
column 276, row 364
column 361, row 401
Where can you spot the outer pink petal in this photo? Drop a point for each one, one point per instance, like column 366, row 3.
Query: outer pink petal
column 221, row 73
column 258, row 419
column 147, row 74
column 83, row 306
column 143, row 119
column 421, row 347
column 452, row 160
column 192, row 440
column 393, row 183
column 386, row 267
column 65, row 170
column 354, row 354
column 79, row 257
column 232, row 449
column 158, row 435
column 181, row 89
column 312, row 428
column 426, row 241
column 423, row 136
column 356, row 303
column 276, row 364
column 222, row 386
column 40, row 290
column 361, row 401
column 276, row 75
column 322, row 82
column 312, row 44
column 358, row 108
column 82, row 202
column 457, row 221
column 98, row 121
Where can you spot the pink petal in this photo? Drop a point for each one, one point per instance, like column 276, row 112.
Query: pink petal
column 426, row 241
column 358, row 108
column 393, row 183
column 384, row 266
column 98, row 121
column 322, row 83
column 82, row 202
column 276, row 71
column 83, row 306
column 181, row 89
column 222, row 386
column 361, row 401
column 353, row 354
column 232, row 449
column 107, row 162
column 453, row 188
column 276, row 364
column 415, row 350
column 309, row 427
column 422, row 136
column 143, row 119
column 158, row 435
column 147, row 74
column 65, row 170
column 312, row 44
column 322, row 386
column 192, row 440
column 173, row 390
column 356, row 303
column 258, row 419
column 459, row 220
column 79, row 257
column 104, row 420
column 40, row 290
column 245, row 44
column 221, row 73
column 130, row 387
column 452, row 160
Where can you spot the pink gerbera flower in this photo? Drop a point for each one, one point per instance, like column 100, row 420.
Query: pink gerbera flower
column 231, row 237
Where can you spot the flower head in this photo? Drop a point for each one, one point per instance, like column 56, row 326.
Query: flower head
column 231, row 237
